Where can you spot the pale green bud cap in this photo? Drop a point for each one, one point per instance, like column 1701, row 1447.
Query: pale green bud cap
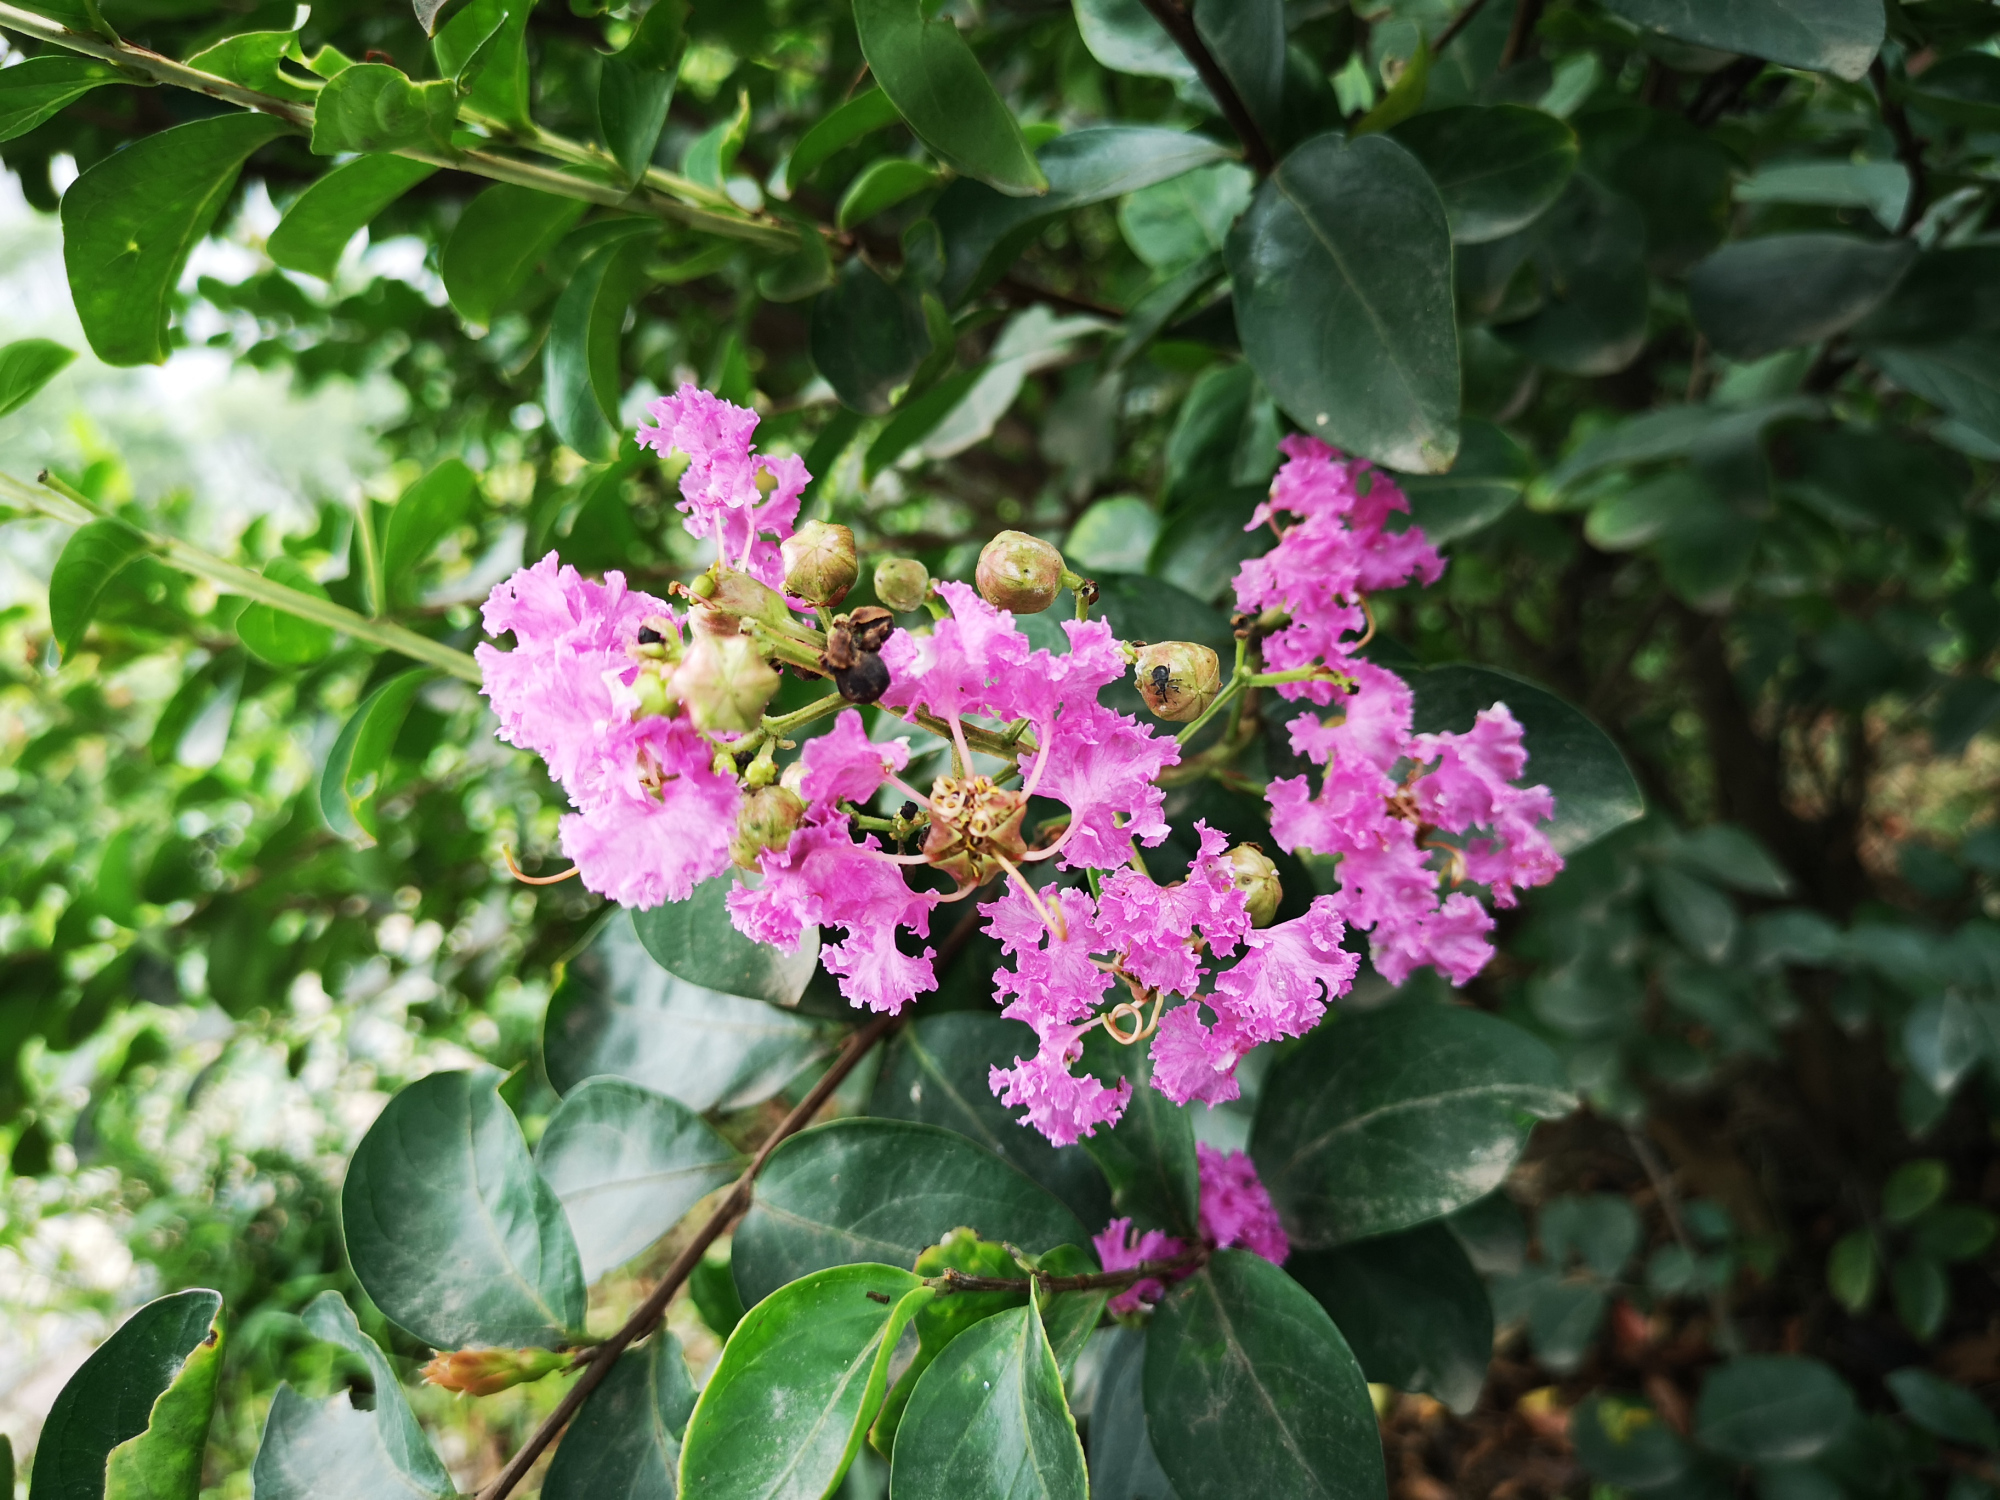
column 1257, row 878
column 724, row 682
column 902, row 583
column 1178, row 679
column 1019, row 572
column 820, row 565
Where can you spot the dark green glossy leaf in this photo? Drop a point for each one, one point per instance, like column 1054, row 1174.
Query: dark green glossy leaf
column 1838, row 36
column 1672, row 432
column 1148, row 1156
column 277, row 637
column 867, row 111
column 1383, row 1120
column 984, row 230
column 1485, row 483
column 881, row 185
column 1625, row 1443
column 450, row 1229
column 374, row 107
column 1342, row 271
column 936, row 1074
column 1950, row 1411
column 712, row 155
column 322, row 219
column 938, row 87
column 1964, row 89
column 626, row 1441
column 1123, row 1465
column 626, row 1164
column 581, row 381
column 26, row 365
column 883, row 1191
column 1773, row 1408
column 356, row 764
column 988, row 1418
column 1247, row 40
column 635, row 88
column 1412, row 1309
column 1700, row 917
column 1250, row 1390
column 133, row 1421
column 497, row 243
column 423, row 515
column 1921, row 1292
column 618, row 1012
column 1202, row 546
column 332, row 1450
column 1496, row 168
column 799, row 1381
column 1587, row 255
column 32, row 91
column 89, row 560
column 943, row 1319
column 867, row 337
column 1123, row 35
column 695, row 940
column 131, row 221
column 1755, row 297
column 799, row 275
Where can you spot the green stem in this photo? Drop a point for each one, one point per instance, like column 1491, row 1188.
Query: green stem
column 1236, row 684
column 773, row 642
column 819, row 708
column 371, row 557
column 77, row 509
column 1004, row 746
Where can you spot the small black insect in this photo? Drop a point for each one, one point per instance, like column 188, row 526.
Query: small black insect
column 907, row 811
column 649, row 636
column 1163, row 678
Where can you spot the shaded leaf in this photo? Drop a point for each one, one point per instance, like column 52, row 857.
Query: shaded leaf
column 89, row 560
column 1755, row 297
column 626, row 1441
column 867, row 111
column 1122, row 35
column 322, row 219
column 867, row 337
column 1838, row 36
column 881, row 185
column 1123, row 1465
column 1950, row 1411
column 581, row 380
column 1773, row 1408
column 497, row 243
column 635, row 88
column 1496, row 169
column 1588, row 259
column 422, row 516
column 355, row 766
column 34, row 90
column 696, row 941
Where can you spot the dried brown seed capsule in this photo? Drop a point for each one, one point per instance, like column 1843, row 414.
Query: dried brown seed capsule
column 1019, row 572
column 820, row 565
column 865, row 681
column 1178, row 679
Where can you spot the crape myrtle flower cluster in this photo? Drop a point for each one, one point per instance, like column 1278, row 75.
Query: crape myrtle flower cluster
column 651, row 717
column 1235, row 1213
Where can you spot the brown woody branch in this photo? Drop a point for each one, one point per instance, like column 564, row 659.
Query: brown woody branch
column 1909, row 149
column 1178, row 23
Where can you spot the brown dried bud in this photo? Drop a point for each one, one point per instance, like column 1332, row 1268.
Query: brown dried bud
column 766, row 821
column 1257, row 878
column 725, row 598
column 481, row 1372
column 1019, row 572
column 820, row 565
column 902, row 582
column 850, row 653
column 1178, row 679
column 865, row 681
column 724, row 682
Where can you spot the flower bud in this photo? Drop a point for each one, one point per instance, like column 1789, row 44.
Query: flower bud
column 654, row 690
column 724, row 682
column 819, row 562
column 902, row 583
column 1257, row 878
column 481, row 1372
column 1019, row 572
column 1178, row 679
column 766, row 821
column 728, row 597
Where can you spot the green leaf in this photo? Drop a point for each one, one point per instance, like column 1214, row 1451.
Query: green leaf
column 355, row 766
column 1851, row 1270
column 1123, row 1465
column 1148, row 1157
column 1914, row 1187
column 1773, row 1408
column 1342, row 271
column 331, row 1450
column 1922, row 1294
column 626, row 1441
column 1595, row 791
column 989, row 1418
column 935, row 1073
column 696, row 941
column 276, row 637
column 498, row 241
column 943, row 1319
column 424, row 514
column 1881, row 187
column 322, row 219
column 1251, row 1390
column 618, row 1012
column 33, row 91
column 711, row 156
column 1835, row 36
column 1497, row 169
column 1601, row 1230
column 26, row 365
column 799, row 275
column 867, row 337
column 626, row 1164
column 1405, row 98
column 1700, row 917
column 1247, row 40
column 984, row 230
column 880, row 185
column 1950, row 1411
column 1383, row 1120
column 1954, row 1232
column 866, row 112
column 131, row 221
column 1724, row 853
column 373, row 107
column 1122, row 35
column 581, row 376
column 1964, row 89
column 484, row 50
column 1177, row 222
column 89, row 560
column 253, row 59
column 798, row 1383
column 1412, row 1309
column 1587, row 255
column 1672, row 432
column 133, row 1420
column 884, row 1191
column 635, row 88
column 1755, row 297
column 1625, row 1443
column 450, row 1229
column 938, row 87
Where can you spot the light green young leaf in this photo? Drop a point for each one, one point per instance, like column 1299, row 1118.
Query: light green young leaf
column 131, row 221
column 35, row 90
column 254, row 59
column 882, row 184
column 322, row 219
column 280, row 638
column 711, row 156
column 424, row 514
column 26, row 365
column 353, row 771
column 373, row 107
column 483, row 49
column 867, row 111
column 89, row 560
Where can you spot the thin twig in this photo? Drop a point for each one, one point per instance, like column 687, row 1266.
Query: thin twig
column 1179, row 24
column 1458, row 23
column 643, row 1321
column 1908, row 148
column 1663, row 1189
column 1526, row 14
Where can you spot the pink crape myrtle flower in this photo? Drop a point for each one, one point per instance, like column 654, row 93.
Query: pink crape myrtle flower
column 661, row 826
column 844, row 765
column 747, row 502
column 1236, row 1211
column 1154, row 927
column 1117, row 1250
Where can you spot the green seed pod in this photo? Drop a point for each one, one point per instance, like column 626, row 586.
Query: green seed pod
column 1019, row 572
column 1257, row 878
column 729, row 597
column 820, row 565
column 1178, row 679
column 724, row 682
column 902, row 583
column 766, row 821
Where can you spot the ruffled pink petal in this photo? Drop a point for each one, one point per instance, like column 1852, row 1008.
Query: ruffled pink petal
column 1236, row 1210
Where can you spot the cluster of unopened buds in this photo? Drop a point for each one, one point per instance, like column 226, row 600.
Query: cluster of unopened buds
column 652, row 714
